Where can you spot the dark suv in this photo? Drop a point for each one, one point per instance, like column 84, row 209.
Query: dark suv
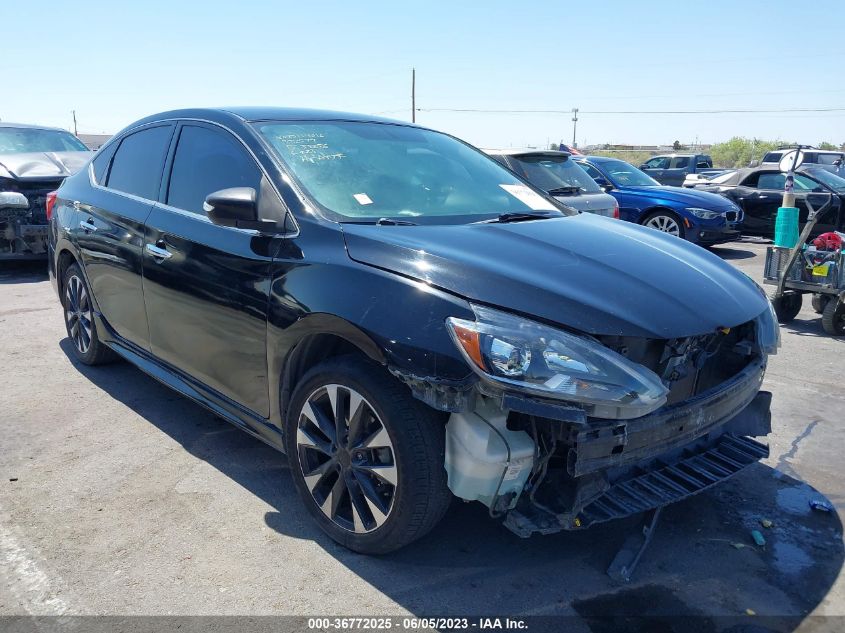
column 407, row 320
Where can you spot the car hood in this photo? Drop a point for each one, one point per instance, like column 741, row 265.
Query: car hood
column 589, row 273
column 43, row 164
column 681, row 195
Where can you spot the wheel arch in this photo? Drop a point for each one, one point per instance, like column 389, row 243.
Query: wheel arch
column 319, row 337
column 64, row 260
column 658, row 208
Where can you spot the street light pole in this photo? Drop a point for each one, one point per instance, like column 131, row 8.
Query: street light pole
column 574, row 125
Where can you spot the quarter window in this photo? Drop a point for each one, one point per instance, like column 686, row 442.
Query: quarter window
column 138, row 162
column 101, row 163
column 206, row 161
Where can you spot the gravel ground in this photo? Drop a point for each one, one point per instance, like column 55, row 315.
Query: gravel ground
column 117, row 496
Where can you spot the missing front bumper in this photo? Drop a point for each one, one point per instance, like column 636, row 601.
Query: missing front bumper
column 665, row 484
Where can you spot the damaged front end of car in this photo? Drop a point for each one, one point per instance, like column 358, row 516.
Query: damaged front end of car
column 23, row 218
column 560, row 431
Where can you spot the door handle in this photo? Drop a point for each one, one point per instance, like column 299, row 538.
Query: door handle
column 87, row 225
column 158, row 253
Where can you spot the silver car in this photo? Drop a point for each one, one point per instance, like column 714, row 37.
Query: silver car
column 560, row 177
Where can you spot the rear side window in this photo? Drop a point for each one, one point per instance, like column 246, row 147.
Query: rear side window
column 206, row 161
column 101, row 163
column 828, row 159
column 681, row 162
column 137, row 164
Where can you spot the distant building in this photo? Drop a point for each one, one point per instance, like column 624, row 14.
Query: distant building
column 94, row 141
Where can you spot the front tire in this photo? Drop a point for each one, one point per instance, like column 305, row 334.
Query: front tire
column 667, row 222
column 366, row 457
column 79, row 320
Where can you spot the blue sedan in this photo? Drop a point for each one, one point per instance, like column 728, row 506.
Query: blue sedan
column 698, row 216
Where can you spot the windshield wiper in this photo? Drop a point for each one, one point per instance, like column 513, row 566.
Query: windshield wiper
column 392, row 222
column 519, row 216
column 382, row 222
column 560, row 191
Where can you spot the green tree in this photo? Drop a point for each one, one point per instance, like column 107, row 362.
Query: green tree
column 828, row 146
column 740, row 151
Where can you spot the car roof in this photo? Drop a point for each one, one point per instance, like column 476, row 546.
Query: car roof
column 741, row 174
column 525, row 152
column 256, row 113
column 598, row 159
column 677, row 155
column 29, row 126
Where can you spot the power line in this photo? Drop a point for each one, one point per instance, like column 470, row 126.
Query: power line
column 719, row 111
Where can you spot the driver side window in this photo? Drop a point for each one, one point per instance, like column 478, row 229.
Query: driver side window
column 657, row 163
column 206, row 161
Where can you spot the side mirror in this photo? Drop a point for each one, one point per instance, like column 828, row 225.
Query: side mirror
column 644, row 166
column 13, row 200
column 236, row 207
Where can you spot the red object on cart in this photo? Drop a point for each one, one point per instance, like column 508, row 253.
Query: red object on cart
column 828, row 242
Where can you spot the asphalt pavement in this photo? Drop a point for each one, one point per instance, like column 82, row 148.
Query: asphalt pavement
column 120, row 497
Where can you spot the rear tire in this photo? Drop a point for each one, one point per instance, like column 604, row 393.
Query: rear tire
column 819, row 302
column 79, row 320
column 833, row 317
column 374, row 478
column 787, row 306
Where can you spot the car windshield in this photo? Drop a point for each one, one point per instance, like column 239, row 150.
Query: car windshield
column 19, row 140
column 366, row 171
column 834, row 181
column 624, row 174
column 550, row 172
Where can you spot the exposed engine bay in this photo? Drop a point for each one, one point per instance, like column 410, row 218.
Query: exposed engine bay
column 23, row 232
column 543, row 467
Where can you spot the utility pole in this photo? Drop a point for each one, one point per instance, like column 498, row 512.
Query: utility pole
column 574, row 125
column 74, row 122
column 413, row 95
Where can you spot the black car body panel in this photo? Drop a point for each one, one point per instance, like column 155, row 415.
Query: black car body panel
column 234, row 317
column 559, row 270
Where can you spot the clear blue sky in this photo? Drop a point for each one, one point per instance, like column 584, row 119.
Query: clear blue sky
column 115, row 62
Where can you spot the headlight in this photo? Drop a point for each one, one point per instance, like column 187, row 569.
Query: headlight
column 768, row 330
column 509, row 351
column 704, row 214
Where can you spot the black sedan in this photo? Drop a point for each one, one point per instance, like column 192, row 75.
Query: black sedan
column 759, row 192
column 408, row 320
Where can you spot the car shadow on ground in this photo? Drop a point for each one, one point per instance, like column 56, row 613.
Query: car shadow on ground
column 21, row 272
column 702, row 563
column 731, row 253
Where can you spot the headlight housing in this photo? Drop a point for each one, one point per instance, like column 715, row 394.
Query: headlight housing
column 509, row 351
column 704, row 214
column 768, row 330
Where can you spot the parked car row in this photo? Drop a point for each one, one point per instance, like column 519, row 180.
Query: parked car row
column 409, row 320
